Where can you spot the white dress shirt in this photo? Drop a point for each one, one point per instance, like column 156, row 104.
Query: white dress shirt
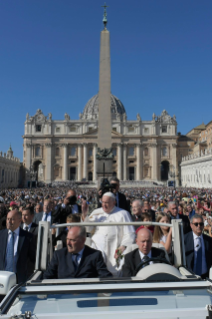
column 149, row 255
column 25, row 225
column 204, row 265
column 79, row 257
column 16, row 239
column 49, row 219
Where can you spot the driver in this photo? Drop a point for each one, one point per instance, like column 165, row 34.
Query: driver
column 141, row 254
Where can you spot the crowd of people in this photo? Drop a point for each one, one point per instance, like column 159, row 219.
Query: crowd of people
column 107, row 255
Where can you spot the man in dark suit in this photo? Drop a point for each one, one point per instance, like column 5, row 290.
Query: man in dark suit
column 77, row 260
column 46, row 215
column 17, row 246
column 198, row 248
column 69, row 206
column 27, row 222
column 28, row 225
column 141, row 254
column 173, row 210
column 121, row 201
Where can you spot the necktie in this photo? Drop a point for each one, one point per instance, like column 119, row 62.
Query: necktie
column 198, row 267
column 74, row 258
column 10, row 254
column 45, row 217
column 145, row 258
column 27, row 228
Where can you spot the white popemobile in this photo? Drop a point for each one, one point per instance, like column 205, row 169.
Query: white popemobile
column 157, row 291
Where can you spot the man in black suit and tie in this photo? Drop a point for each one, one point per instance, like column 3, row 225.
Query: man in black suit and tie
column 173, row 210
column 28, row 225
column 198, row 248
column 17, row 246
column 77, row 260
column 27, row 222
column 140, row 254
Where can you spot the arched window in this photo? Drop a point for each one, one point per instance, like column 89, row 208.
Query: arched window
column 37, row 150
column 57, row 151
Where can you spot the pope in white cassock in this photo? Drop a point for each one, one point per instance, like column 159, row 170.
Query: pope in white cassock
column 110, row 238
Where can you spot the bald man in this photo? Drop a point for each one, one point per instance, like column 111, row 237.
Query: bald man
column 110, row 238
column 142, row 253
column 17, row 247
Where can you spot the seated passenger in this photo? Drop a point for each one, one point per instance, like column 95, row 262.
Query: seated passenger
column 77, row 260
column 163, row 234
column 140, row 254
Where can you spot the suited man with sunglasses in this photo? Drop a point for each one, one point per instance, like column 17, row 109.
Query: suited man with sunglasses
column 198, row 248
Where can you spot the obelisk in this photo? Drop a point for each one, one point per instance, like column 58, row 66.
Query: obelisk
column 104, row 153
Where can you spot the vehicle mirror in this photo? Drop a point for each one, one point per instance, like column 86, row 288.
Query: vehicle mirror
column 7, row 281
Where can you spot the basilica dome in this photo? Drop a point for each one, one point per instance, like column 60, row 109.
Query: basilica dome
column 91, row 109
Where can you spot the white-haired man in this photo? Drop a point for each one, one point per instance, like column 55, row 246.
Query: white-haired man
column 109, row 239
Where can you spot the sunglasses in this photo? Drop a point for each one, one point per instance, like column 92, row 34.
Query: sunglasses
column 196, row 224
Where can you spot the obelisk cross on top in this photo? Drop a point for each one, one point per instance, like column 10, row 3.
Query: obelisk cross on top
column 105, row 16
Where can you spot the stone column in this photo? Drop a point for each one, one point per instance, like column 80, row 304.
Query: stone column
column 138, row 171
column 154, row 162
column 28, row 155
column 124, row 162
column 65, row 162
column 48, row 162
column 120, row 161
column 94, row 163
column 85, row 161
column 79, row 162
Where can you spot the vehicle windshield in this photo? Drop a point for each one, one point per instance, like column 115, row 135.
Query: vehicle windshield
column 115, row 301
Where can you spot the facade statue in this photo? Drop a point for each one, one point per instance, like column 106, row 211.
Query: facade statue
column 50, row 116
column 153, row 116
column 138, row 117
column 67, row 117
column 27, row 116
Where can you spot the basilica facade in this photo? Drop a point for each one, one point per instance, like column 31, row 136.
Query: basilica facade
column 63, row 150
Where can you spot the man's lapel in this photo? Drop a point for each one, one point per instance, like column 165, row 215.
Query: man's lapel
column 20, row 241
column 4, row 243
column 70, row 262
column 137, row 258
column 85, row 252
column 207, row 254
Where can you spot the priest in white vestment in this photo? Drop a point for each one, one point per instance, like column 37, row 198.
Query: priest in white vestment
column 110, row 238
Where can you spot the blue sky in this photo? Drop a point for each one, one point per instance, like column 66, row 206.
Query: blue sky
column 49, row 59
